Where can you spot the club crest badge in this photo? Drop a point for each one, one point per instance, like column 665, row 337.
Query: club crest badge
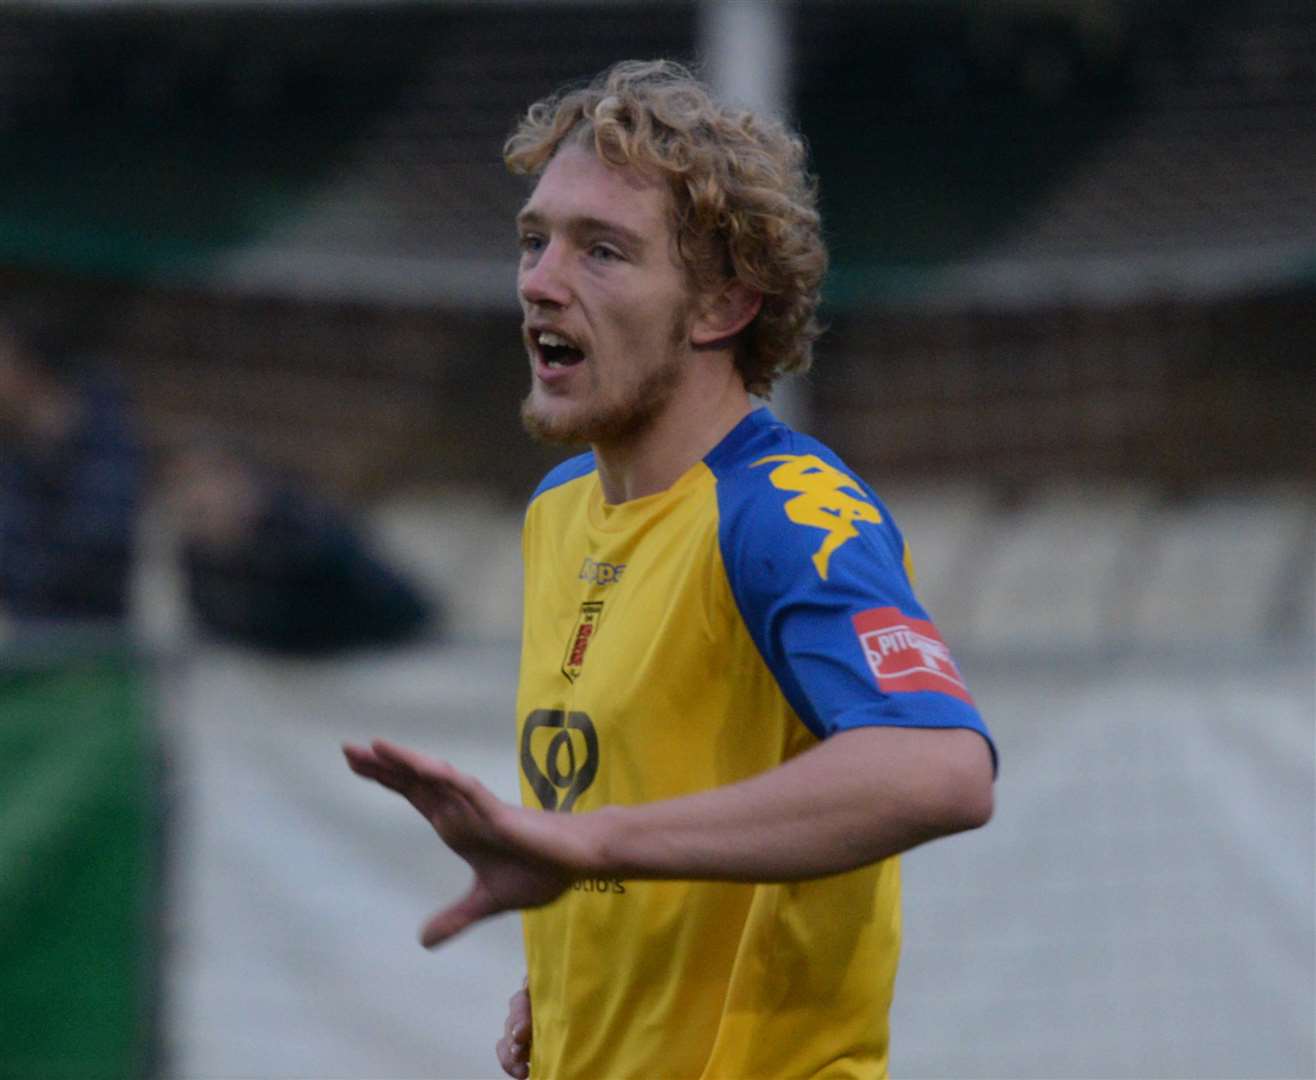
column 586, row 627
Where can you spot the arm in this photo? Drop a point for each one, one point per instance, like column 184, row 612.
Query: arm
column 860, row 796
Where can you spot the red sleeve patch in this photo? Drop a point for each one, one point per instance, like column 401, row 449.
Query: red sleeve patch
column 907, row 654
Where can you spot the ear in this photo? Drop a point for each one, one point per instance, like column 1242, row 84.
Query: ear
column 724, row 313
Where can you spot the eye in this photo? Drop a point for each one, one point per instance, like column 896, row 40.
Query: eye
column 605, row 253
column 530, row 243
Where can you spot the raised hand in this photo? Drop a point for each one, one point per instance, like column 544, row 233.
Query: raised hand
column 520, row 858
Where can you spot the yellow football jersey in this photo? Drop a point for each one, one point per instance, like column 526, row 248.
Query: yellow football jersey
column 687, row 640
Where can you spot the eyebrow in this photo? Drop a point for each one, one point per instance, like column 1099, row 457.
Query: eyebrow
column 584, row 223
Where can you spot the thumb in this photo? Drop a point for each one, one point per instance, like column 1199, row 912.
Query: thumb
column 448, row 922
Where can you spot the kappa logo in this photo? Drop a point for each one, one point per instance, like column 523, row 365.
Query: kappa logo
column 907, row 654
column 600, row 573
column 823, row 501
column 583, row 633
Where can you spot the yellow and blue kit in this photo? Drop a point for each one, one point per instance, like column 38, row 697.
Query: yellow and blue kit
column 686, row 640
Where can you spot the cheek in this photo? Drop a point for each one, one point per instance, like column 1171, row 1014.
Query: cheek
column 652, row 325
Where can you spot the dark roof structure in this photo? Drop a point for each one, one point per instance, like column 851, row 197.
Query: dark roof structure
column 1002, row 153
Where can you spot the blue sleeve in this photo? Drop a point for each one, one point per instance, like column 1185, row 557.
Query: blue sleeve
column 817, row 568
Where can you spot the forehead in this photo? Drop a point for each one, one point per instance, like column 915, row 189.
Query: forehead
column 577, row 185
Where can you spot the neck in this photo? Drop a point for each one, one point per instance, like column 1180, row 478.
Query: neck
column 699, row 416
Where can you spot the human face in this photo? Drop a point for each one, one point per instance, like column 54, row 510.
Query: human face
column 606, row 305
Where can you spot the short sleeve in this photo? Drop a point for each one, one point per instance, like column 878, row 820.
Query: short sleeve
column 818, row 571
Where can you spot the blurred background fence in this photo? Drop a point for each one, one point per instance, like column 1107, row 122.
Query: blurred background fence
column 268, row 249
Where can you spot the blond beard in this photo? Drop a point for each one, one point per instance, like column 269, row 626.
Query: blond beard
column 622, row 419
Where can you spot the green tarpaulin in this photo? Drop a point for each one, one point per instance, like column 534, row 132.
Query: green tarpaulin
column 79, row 869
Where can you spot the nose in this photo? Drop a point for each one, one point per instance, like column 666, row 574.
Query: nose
column 541, row 278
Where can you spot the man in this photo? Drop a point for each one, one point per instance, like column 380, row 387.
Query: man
column 733, row 714
column 269, row 564
column 71, row 478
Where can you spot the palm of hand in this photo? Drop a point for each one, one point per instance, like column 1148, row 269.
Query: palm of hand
column 491, row 837
column 519, row 858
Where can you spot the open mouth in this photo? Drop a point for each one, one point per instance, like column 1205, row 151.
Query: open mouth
column 557, row 351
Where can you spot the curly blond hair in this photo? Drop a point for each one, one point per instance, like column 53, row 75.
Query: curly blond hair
column 744, row 203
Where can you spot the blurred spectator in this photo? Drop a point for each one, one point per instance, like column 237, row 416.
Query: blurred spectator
column 70, row 483
column 271, row 566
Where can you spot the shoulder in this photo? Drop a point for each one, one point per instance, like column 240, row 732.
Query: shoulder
column 761, row 445
column 564, row 473
column 790, row 509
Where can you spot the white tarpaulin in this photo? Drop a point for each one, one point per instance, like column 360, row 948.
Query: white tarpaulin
column 1141, row 905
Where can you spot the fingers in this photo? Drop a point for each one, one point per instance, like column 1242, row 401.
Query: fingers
column 514, row 1053
column 357, row 756
column 432, row 771
column 409, row 761
column 518, row 1015
column 514, row 1058
column 448, row 922
column 396, row 761
column 514, row 1047
column 362, row 762
column 411, row 775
